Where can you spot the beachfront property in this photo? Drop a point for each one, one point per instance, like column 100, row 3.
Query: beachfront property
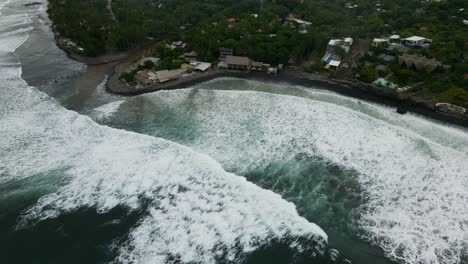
column 259, row 66
column 238, row 63
column 145, row 78
column 331, row 58
column 381, row 82
column 417, row 41
column 168, row 75
column 200, row 66
column 332, row 61
column 148, row 77
column 420, row 63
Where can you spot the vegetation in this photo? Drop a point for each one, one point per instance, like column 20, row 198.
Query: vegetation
column 262, row 32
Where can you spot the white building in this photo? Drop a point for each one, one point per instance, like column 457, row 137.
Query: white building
column 417, row 41
column 345, row 44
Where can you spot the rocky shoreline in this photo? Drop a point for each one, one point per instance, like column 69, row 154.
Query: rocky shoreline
column 354, row 88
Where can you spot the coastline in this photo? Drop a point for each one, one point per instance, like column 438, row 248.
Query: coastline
column 119, row 61
column 356, row 89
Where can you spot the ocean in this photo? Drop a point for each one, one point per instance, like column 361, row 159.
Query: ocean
column 227, row 171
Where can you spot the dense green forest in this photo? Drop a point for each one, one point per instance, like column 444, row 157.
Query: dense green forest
column 261, row 31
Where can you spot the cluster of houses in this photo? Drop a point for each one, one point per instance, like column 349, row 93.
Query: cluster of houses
column 332, row 56
column 149, row 77
column 410, row 42
column 227, row 61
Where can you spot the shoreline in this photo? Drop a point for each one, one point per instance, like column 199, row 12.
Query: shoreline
column 356, row 89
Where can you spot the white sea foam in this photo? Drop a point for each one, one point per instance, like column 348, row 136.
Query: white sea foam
column 416, row 189
column 107, row 110
column 197, row 210
column 3, row 3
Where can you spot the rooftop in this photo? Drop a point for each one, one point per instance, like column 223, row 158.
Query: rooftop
column 415, row 38
column 237, row 60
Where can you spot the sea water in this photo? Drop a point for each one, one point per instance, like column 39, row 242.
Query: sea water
column 73, row 191
column 229, row 171
column 359, row 170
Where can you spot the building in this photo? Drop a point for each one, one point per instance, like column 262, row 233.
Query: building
column 256, row 66
column 394, row 39
column 334, row 64
column 165, row 75
column 191, row 56
column 418, row 62
column 380, row 42
column 332, row 61
column 200, row 66
column 223, row 52
column 145, row 78
column 345, row 44
column 237, row 63
column 416, row 41
column 384, row 83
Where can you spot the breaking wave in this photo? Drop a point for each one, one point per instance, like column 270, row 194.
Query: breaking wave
column 414, row 188
column 193, row 211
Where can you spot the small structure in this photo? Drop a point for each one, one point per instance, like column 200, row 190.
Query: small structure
column 256, row 66
column 186, row 67
column 272, row 70
column 418, row 62
column 417, row 41
column 345, row 44
column 237, row 63
column 302, row 24
column 177, row 44
column 191, row 56
column 394, row 39
column 223, row 52
column 334, row 64
column 165, row 75
column 145, row 78
column 231, row 20
column 380, row 42
column 384, row 83
column 332, row 61
column 201, row 66
column 465, row 22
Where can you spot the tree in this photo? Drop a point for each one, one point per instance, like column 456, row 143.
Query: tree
column 368, row 74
